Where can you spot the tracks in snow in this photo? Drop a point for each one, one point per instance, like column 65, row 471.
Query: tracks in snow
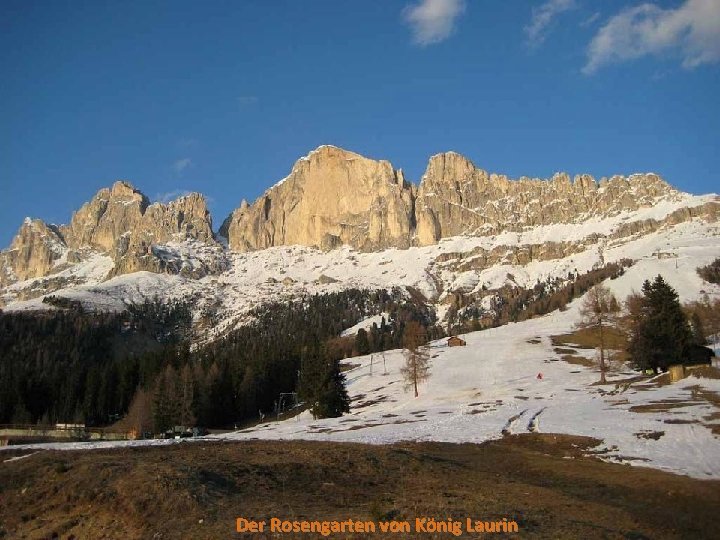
column 533, row 425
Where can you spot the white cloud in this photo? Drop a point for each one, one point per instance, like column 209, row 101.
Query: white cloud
column 691, row 32
column 432, row 21
column 170, row 195
column 181, row 164
column 590, row 20
column 542, row 17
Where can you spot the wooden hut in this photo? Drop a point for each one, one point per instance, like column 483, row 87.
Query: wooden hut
column 454, row 341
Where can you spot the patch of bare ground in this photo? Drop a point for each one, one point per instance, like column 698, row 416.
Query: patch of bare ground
column 660, row 406
column 348, row 366
column 698, row 396
column 369, row 402
column 702, row 394
column 705, row 372
column 588, row 338
column 649, row 434
column 197, row 490
column 577, row 360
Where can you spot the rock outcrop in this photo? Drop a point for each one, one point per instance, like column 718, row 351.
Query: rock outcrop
column 334, row 197
column 455, row 197
column 34, row 252
column 118, row 221
column 331, row 197
column 110, row 214
column 181, row 219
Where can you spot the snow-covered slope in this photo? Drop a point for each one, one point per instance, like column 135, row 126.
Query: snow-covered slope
column 475, row 392
column 467, row 264
column 491, row 386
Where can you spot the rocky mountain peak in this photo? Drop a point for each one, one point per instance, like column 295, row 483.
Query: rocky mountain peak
column 456, row 198
column 123, row 190
column 448, row 167
column 33, row 252
column 118, row 221
column 331, row 197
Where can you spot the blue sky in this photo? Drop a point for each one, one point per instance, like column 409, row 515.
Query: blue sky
column 223, row 97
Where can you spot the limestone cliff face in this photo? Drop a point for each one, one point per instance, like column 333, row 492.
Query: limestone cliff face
column 455, row 198
column 181, row 219
column 331, row 197
column 118, row 221
column 335, row 197
column 33, row 253
column 111, row 213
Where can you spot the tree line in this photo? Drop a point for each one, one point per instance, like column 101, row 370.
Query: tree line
column 68, row 365
column 659, row 331
column 514, row 303
column 711, row 272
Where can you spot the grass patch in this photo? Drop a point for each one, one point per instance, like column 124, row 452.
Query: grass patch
column 588, row 338
column 704, row 372
column 578, row 360
column 197, row 490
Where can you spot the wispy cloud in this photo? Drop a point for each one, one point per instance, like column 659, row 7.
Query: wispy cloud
column 187, row 142
column 690, row 32
column 246, row 101
column 590, row 20
column 542, row 17
column 181, row 164
column 433, row 21
column 170, row 195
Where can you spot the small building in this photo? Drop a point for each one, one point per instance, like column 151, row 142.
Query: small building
column 698, row 355
column 454, row 341
column 677, row 372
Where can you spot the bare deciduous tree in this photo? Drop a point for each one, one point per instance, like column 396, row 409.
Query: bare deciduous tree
column 417, row 358
column 707, row 314
column 599, row 309
column 139, row 417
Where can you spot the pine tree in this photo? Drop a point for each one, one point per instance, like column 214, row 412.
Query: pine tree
column 21, row 415
column 660, row 334
column 332, row 399
column 322, row 384
column 311, row 374
column 711, row 272
column 186, row 396
column 361, row 342
column 698, row 329
column 166, row 408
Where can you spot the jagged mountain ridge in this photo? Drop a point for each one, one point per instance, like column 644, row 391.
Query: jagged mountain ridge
column 118, row 222
column 332, row 198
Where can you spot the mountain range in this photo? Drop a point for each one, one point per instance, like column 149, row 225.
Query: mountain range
column 341, row 220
